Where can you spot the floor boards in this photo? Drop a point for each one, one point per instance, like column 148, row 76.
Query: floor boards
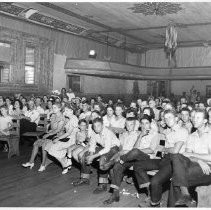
column 20, row 187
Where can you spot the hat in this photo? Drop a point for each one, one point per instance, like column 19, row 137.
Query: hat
column 146, row 117
column 208, row 101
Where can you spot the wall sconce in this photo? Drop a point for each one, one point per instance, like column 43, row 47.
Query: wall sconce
column 92, row 54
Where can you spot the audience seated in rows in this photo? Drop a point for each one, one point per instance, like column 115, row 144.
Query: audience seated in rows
column 167, row 136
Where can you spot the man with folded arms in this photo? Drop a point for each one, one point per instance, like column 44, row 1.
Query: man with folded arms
column 175, row 138
column 134, row 147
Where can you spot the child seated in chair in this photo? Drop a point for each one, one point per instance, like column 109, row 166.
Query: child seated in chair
column 80, row 144
column 5, row 124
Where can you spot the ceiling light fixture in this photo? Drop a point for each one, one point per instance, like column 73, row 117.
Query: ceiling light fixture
column 156, row 8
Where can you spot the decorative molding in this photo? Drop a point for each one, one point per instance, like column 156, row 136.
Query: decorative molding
column 179, row 25
column 88, row 20
column 156, row 8
column 43, row 19
column 56, row 23
column 10, row 8
column 47, row 21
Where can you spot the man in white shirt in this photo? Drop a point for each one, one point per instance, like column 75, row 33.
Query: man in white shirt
column 108, row 147
column 176, row 137
column 193, row 167
column 32, row 114
column 29, row 122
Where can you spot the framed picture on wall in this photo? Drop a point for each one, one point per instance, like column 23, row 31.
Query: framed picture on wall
column 208, row 91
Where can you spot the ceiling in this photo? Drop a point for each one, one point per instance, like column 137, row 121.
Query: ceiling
column 133, row 26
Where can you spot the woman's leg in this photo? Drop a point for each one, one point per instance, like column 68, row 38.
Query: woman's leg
column 45, row 147
column 34, row 153
column 44, row 157
column 35, row 149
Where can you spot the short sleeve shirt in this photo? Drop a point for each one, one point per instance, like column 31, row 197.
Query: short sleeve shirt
column 128, row 140
column 107, row 139
column 200, row 144
column 175, row 135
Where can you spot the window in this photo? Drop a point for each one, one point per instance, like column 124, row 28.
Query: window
column 74, row 83
column 4, row 72
column 29, row 65
column 5, row 60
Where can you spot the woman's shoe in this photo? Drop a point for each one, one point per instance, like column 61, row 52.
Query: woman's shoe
column 42, row 168
column 66, row 169
column 28, row 164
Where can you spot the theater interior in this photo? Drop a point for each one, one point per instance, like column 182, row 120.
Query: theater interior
column 119, row 51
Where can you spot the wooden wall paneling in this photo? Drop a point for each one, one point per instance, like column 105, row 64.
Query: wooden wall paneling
column 50, row 66
column 46, row 78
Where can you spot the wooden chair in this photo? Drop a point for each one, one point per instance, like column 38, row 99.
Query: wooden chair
column 13, row 139
column 41, row 128
column 204, row 199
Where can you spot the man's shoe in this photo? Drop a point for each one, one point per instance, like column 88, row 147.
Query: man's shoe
column 101, row 188
column 147, row 203
column 186, row 200
column 81, row 182
column 112, row 199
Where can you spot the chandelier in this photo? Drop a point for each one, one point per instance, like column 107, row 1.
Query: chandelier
column 156, row 8
column 171, row 43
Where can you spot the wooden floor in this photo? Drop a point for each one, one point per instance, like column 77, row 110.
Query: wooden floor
column 20, row 187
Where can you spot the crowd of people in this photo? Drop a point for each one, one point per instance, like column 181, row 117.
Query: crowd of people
column 172, row 138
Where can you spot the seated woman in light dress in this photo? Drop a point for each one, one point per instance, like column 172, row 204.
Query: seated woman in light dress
column 57, row 121
column 58, row 147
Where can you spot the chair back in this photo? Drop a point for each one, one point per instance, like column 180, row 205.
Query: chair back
column 42, row 124
column 15, row 130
